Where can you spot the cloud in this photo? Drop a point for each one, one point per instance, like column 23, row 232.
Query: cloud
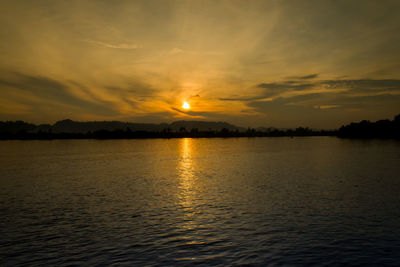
column 297, row 100
column 356, row 86
column 364, row 85
column 175, row 51
column 189, row 113
column 137, row 88
column 306, row 77
column 326, row 111
column 285, row 86
column 125, row 46
column 47, row 90
column 201, row 114
column 293, row 89
column 241, row 98
column 367, row 101
column 325, row 106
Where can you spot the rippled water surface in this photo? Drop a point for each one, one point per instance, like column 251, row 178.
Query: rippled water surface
column 256, row 201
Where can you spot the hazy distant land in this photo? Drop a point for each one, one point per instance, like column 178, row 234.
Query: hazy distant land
column 68, row 129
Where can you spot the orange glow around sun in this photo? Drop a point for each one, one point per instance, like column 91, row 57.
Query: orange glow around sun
column 185, row 105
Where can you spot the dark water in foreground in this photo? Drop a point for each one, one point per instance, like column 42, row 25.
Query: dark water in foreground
column 257, row 201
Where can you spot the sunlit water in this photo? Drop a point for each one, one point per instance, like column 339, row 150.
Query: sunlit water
column 256, row 201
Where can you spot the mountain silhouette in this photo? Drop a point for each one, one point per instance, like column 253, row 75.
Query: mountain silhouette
column 69, row 126
column 69, row 129
column 76, row 127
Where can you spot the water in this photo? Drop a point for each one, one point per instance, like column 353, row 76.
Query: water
column 244, row 201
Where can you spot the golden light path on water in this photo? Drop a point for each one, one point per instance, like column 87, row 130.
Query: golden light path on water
column 186, row 173
column 187, row 178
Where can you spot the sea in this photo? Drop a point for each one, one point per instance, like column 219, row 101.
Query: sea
column 300, row 201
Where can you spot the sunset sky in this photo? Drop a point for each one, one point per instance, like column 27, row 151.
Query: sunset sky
column 251, row 63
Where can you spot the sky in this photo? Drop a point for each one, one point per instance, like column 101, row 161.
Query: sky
column 319, row 64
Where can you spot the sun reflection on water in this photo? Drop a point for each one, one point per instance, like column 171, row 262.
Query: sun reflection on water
column 187, row 198
column 186, row 174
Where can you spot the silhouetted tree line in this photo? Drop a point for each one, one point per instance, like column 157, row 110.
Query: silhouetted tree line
column 166, row 133
column 20, row 130
column 367, row 129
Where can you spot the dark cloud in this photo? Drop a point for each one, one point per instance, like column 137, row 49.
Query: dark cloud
column 292, row 112
column 241, row 98
column 132, row 95
column 132, row 86
column 357, row 86
column 368, row 101
column 191, row 113
column 364, row 85
column 272, row 89
column 203, row 114
column 55, row 92
column 376, row 97
column 306, row 77
column 287, row 101
column 286, row 86
column 352, row 86
column 35, row 84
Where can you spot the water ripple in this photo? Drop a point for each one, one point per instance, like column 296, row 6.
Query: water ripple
column 210, row 202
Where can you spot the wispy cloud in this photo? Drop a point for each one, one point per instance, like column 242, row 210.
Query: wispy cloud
column 305, row 77
column 325, row 106
column 304, row 99
column 353, row 87
column 175, row 51
column 272, row 89
column 239, row 98
column 364, row 85
column 126, row 46
column 47, row 90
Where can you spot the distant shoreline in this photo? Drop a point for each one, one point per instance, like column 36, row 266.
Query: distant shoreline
column 110, row 135
column 68, row 129
column 175, row 136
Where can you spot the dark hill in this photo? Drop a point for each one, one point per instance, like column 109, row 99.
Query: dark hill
column 77, row 127
column 203, row 126
column 367, row 129
column 69, row 126
column 16, row 126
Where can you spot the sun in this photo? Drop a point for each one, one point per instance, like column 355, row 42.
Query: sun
column 185, row 105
